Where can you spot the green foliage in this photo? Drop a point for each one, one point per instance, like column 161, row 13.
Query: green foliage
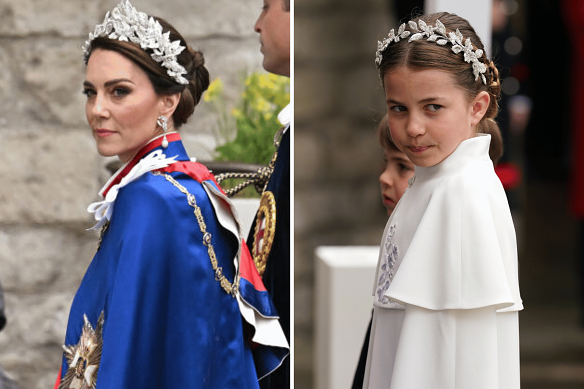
column 255, row 117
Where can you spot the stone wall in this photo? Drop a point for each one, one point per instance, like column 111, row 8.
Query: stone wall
column 50, row 170
column 338, row 103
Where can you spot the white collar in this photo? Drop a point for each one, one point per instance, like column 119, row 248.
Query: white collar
column 285, row 116
column 103, row 210
column 476, row 147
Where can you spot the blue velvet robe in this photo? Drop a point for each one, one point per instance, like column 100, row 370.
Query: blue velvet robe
column 167, row 321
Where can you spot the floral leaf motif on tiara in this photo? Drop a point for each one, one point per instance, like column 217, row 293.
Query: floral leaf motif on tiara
column 457, row 49
column 401, row 29
column 415, row 37
column 459, row 35
column 125, row 23
column 438, row 35
column 440, row 27
column 391, row 37
column 468, row 53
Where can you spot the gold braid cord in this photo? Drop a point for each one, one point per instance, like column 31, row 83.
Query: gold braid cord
column 259, row 178
column 207, row 239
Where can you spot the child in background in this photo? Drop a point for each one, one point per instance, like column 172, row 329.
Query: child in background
column 393, row 181
column 446, row 293
column 397, row 171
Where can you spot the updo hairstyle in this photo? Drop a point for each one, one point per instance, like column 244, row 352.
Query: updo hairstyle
column 191, row 60
column 424, row 55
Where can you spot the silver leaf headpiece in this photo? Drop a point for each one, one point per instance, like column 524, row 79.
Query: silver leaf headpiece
column 439, row 35
column 125, row 23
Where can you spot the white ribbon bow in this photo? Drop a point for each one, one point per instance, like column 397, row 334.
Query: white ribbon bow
column 103, row 209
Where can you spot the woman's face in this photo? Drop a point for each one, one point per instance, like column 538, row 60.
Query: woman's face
column 429, row 116
column 122, row 106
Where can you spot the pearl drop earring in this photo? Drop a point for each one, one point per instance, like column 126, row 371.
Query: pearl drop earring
column 162, row 121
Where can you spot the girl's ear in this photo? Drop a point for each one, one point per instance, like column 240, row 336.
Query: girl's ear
column 479, row 106
column 168, row 104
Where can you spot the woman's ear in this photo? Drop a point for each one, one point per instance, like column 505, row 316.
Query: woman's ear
column 168, row 104
column 479, row 106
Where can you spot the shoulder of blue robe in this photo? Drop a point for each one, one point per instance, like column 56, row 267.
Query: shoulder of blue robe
column 256, row 307
column 167, row 321
column 463, row 254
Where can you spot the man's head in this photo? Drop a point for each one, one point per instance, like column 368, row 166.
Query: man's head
column 273, row 25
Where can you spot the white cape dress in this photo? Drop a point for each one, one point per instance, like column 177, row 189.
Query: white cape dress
column 446, row 291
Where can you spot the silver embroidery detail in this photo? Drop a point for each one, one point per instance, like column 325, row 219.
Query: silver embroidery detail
column 387, row 272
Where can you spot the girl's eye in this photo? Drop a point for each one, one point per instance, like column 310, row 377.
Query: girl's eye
column 398, row 108
column 119, row 92
column 434, row 107
column 403, row 167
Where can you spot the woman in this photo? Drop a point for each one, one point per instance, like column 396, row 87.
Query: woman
column 163, row 301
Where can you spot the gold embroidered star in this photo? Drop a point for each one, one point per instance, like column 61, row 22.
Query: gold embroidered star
column 83, row 358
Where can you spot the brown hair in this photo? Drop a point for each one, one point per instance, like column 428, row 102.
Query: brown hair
column 163, row 84
column 423, row 55
column 384, row 135
column 496, row 147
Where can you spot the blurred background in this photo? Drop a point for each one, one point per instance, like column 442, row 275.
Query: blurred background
column 50, row 170
column 539, row 48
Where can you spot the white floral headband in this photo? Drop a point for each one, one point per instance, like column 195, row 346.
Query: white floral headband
column 125, row 23
column 436, row 34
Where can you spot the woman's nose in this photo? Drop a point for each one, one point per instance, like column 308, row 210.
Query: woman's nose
column 99, row 106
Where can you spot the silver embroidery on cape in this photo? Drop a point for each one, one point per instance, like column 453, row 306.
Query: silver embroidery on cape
column 387, row 272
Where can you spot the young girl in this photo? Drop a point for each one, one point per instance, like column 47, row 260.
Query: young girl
column 446, row 292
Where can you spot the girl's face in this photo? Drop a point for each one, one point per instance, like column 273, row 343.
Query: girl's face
column 429, row 116
column 122, row 106
column 394, row 178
